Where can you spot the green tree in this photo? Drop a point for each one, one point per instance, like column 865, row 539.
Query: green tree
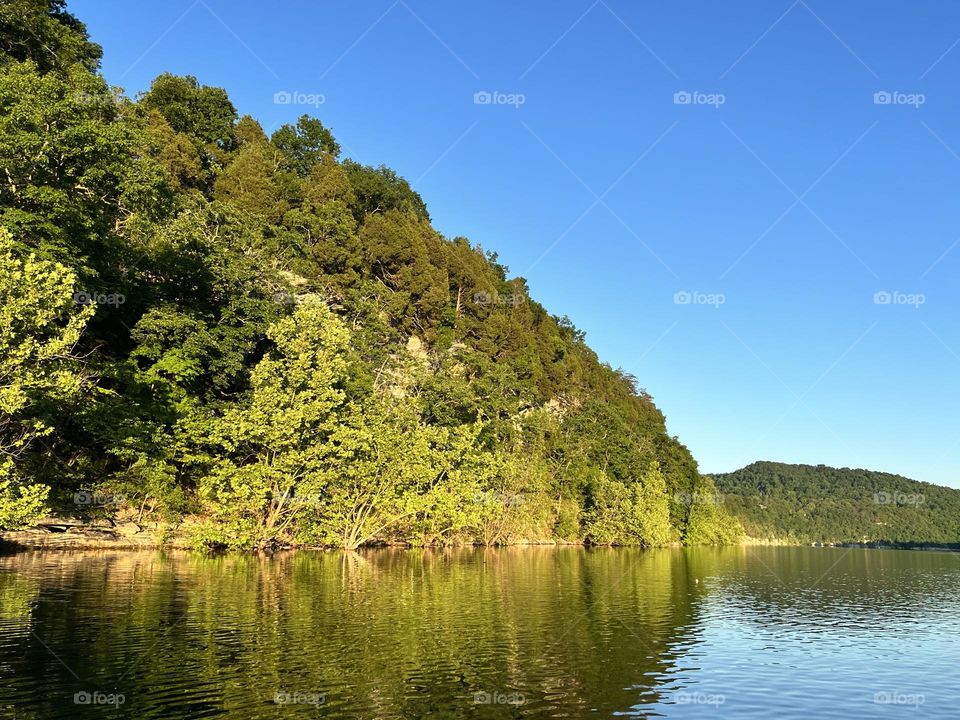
column 272, row 450
column 44, row 32
column 39, row 327
column 380, row 189
column 635, row 513
column 199, row 111
column 303, row 145
column 248, row 182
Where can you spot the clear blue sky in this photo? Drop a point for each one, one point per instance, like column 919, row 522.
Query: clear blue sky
column 796, row 199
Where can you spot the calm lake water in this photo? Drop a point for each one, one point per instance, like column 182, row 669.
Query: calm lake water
column 513, row 633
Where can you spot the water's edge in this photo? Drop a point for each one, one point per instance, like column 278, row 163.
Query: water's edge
column 137, row 538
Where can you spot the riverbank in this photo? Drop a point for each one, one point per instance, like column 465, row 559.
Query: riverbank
column 66, row 534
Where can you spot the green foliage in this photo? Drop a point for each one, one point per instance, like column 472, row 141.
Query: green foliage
column 292, row 353
column 271, row 451
column 44, row 32
column 822, row 504
column 248, row 182
column 304, row 145
column 380, row 189
column 196, row 110
column 39, row 327
column 629, row 514
column 709, row 522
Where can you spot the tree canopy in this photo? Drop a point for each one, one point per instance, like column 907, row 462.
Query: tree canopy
column 274, row 346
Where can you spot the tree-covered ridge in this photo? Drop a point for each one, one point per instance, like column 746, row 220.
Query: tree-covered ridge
column 823, row 504
column 277, row 346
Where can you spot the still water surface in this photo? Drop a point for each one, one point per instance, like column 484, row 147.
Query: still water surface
column 514, row 633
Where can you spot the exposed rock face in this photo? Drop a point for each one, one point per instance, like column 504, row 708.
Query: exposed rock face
column 67, row 533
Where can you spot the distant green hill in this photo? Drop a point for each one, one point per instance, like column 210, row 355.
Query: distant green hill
column 810, row 503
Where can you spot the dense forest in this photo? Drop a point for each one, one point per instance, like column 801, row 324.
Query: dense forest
column 253, row 342
column 806, row 503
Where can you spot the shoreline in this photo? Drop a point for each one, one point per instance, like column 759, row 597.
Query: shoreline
column 136, row 538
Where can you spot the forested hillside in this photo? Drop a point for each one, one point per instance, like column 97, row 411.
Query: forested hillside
column 258, row 342
column 806, row 503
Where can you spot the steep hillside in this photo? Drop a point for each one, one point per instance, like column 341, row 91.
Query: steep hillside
column 823, row 504
column 271, row 343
